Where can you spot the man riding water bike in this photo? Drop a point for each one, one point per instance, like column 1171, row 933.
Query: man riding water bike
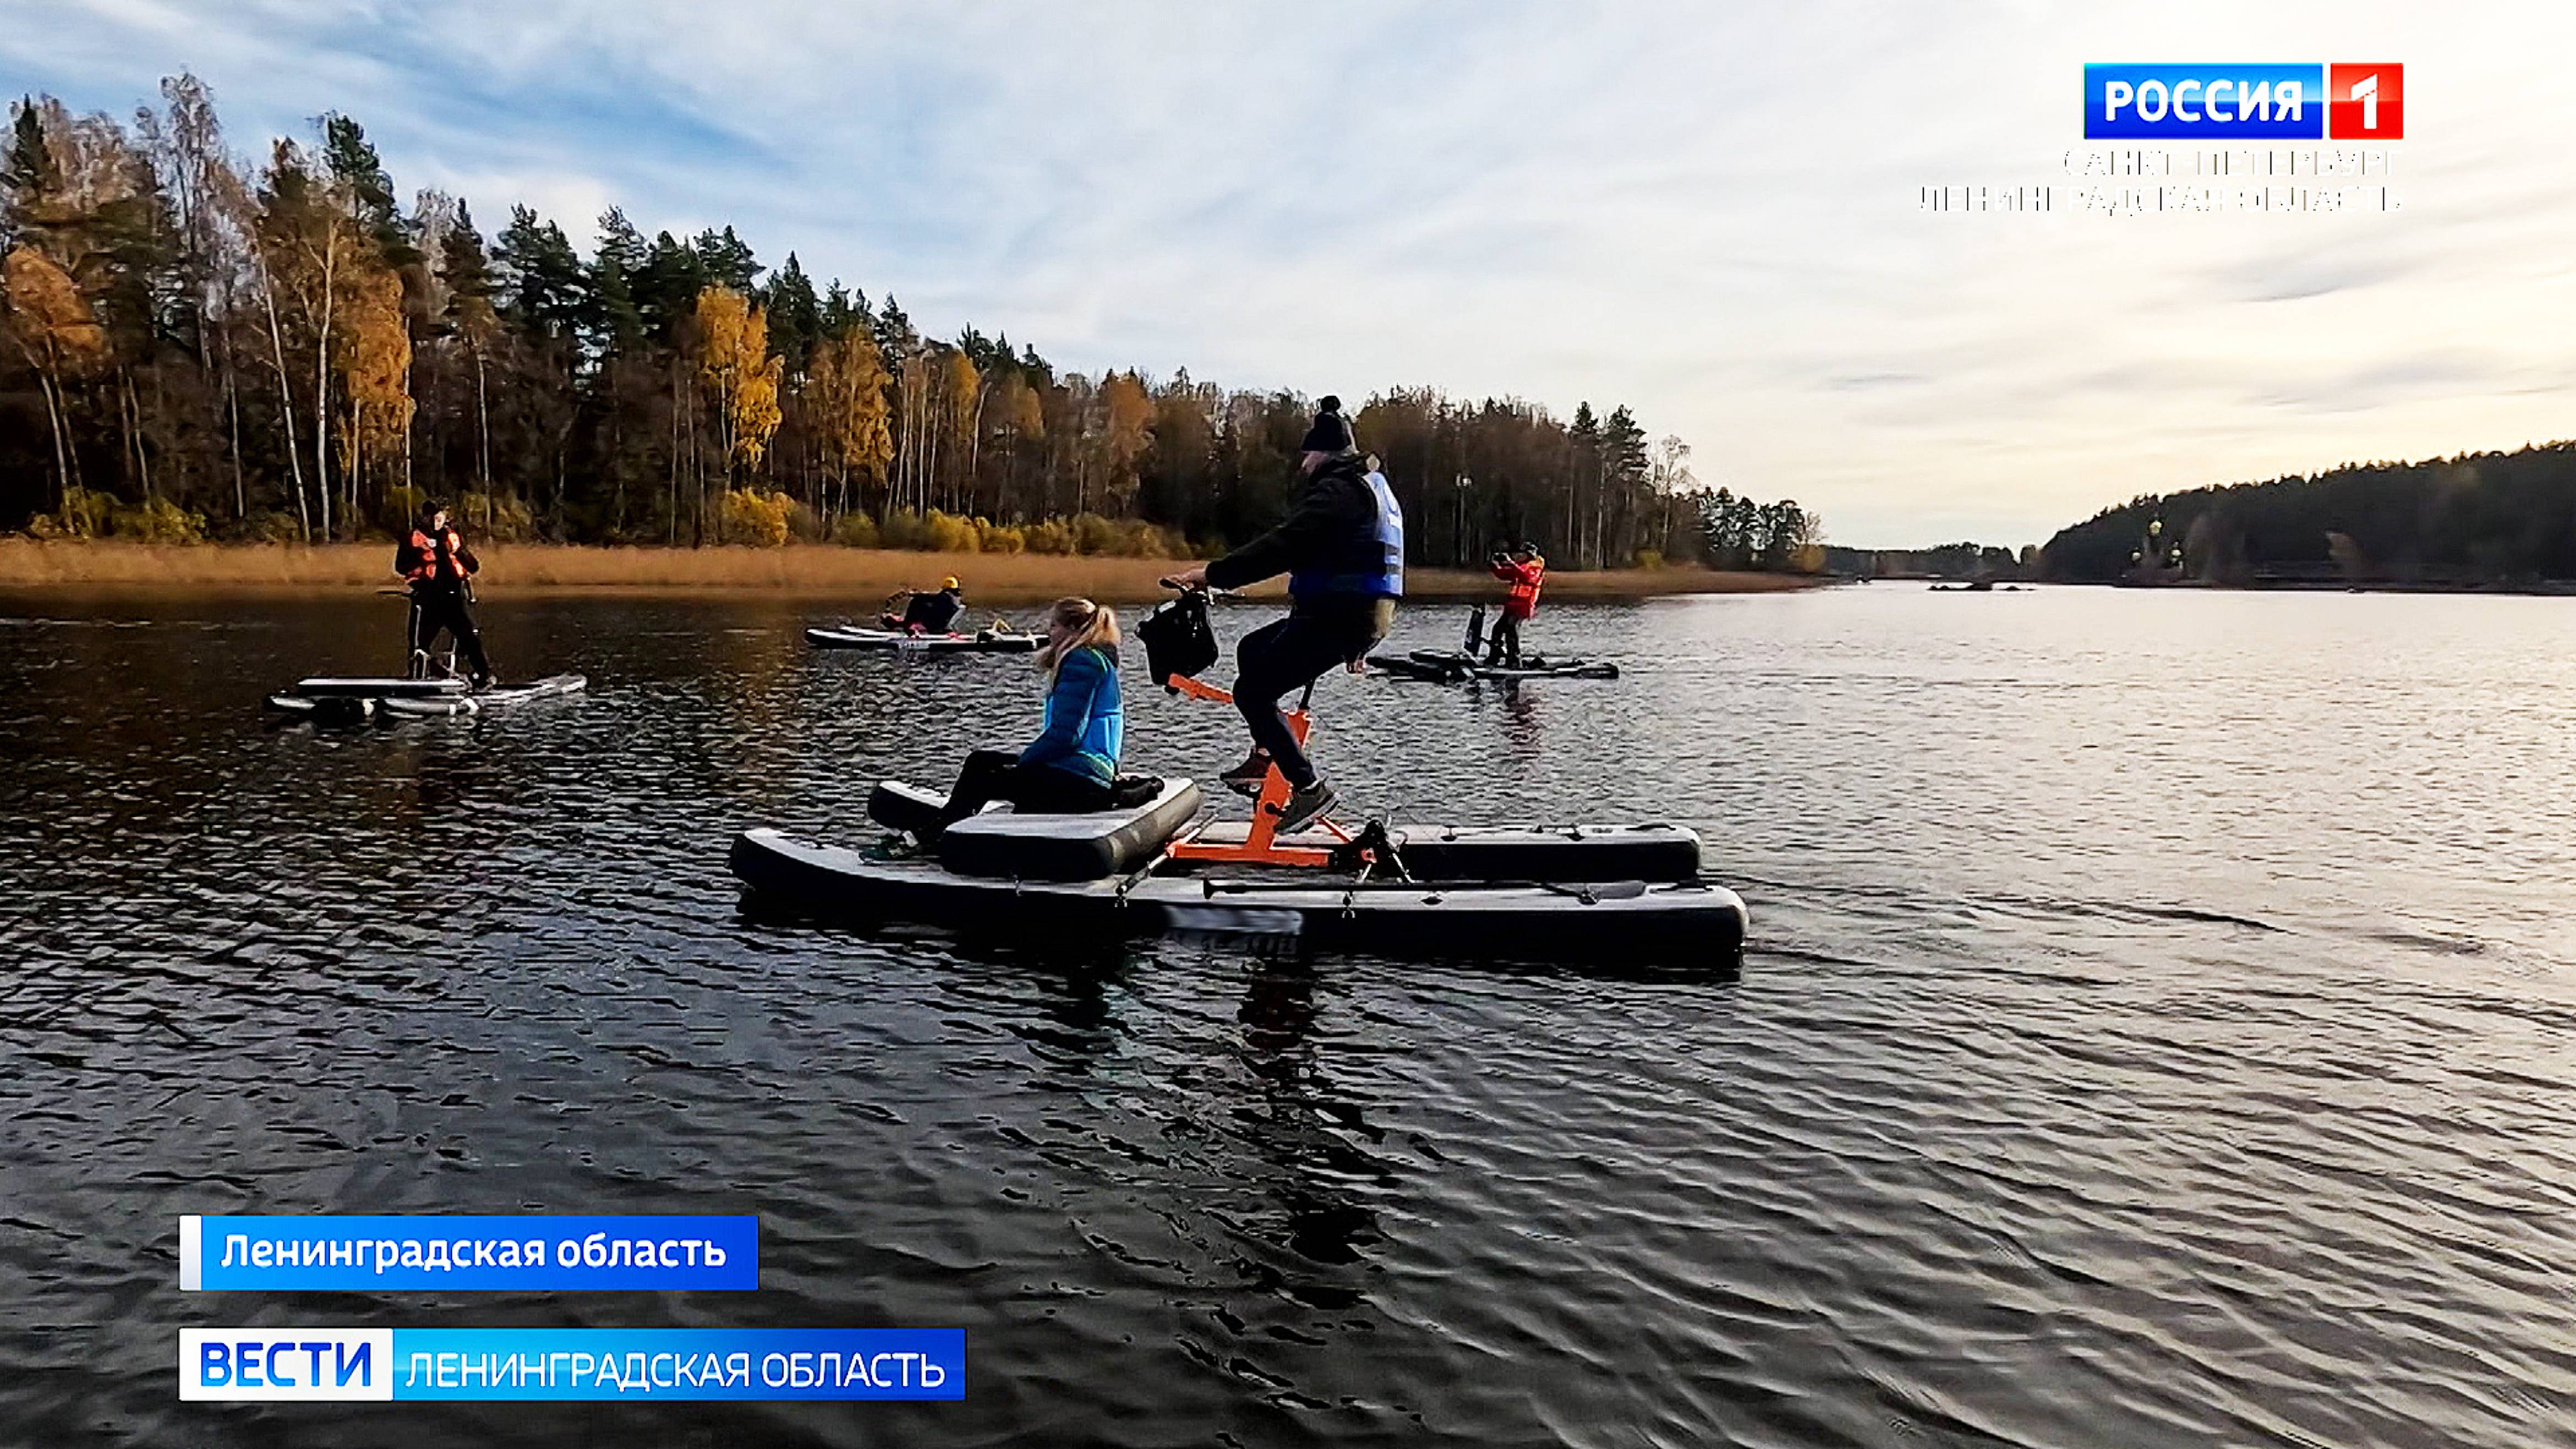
column 434, row 560
column 930, row 613
column 1342, row 547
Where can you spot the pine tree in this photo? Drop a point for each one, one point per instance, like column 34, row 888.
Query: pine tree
column 795, row 315
column 845, row 311
column 613, row 320
column 360, row 173
column 1583, row 474
column 467, row 273
column 539, row 277
column 666, row 287
column 30, row 177
column 728, row 261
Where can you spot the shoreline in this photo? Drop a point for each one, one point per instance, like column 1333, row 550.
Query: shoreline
column 797, row 570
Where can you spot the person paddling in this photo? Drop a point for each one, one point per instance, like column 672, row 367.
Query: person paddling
column 1522, row 571
column 440, row 569
column 1342, row 547
column 1072, row 766
column 931, row 613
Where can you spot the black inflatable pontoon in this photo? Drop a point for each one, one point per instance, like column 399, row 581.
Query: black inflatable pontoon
column 1443, row 666
column 1631, row 895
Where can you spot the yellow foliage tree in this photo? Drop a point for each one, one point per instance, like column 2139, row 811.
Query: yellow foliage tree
column 1130, row 413
column 734, row 362
column 961, row 389
column 754, row 517
column 57, row 334
column 845, row 387
column 373, row 350
column 1023, row 411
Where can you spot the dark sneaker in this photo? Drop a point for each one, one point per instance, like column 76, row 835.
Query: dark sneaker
column 1246, row 778
column 1304, row 807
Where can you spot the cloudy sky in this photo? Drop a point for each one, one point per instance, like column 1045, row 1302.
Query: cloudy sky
column 1712, row 213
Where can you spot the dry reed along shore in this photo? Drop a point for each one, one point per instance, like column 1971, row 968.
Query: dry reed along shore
column 806, row 570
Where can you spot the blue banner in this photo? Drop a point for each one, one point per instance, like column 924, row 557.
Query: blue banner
column 641, row 1365
column 468, row 1254
column 2204, row 102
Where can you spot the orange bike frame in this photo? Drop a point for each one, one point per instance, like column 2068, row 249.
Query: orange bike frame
column 1259, row 846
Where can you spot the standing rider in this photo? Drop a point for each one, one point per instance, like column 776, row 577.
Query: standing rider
column 434, row 560
column 1342, row 547
column 1522, row 571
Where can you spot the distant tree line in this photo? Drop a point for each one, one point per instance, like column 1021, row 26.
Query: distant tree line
column 1738, row 533
column 1945, row 561
column 194, row 346
column 2479, row 518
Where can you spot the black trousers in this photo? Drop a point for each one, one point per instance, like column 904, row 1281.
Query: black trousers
column 446, row 609
column 991, row 775
column 1503, row 646
column 1291, row 654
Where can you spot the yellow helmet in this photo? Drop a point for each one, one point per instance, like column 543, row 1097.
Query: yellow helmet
column 950, row 582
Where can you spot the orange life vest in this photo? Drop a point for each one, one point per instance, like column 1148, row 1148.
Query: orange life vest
column 1520, row 596
column 436, row 556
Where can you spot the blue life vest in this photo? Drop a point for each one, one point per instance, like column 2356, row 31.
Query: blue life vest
column 1374, row 570
column 1085, row 723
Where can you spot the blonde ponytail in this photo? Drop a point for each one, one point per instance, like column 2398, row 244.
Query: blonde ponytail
column 1093, row 625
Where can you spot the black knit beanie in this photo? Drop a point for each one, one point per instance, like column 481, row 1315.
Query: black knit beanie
column 1331, row 432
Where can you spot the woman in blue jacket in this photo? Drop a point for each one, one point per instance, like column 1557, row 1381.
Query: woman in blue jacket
column 1073, row 763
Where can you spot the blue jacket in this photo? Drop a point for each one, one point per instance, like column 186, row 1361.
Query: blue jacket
column 1084, row 723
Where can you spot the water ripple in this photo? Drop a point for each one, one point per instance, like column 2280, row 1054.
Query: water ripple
column 2157, row 1031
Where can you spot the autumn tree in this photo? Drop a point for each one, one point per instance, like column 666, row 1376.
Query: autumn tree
column 961, row 395
column 846, row 388
column 52, row 327
column 735, row 366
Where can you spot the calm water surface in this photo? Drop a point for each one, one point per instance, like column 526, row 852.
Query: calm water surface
column 2158, row 1029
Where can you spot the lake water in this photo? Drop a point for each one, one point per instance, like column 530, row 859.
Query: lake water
column 2158, row 1029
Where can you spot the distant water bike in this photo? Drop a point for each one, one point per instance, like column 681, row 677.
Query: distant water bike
column 894, row 632
column 1461, row 666
column 1159, row 863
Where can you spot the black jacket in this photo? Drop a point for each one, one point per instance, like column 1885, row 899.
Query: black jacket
column 937, row 613
column 1331, row 528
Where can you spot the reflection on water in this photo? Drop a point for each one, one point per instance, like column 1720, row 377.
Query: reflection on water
column 2157, row 1031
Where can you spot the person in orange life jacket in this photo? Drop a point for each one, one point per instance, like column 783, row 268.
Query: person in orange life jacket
column 1072, row 766
column 1522, row 571
column 434, row 560
column 1342, row 547
column 930, row 613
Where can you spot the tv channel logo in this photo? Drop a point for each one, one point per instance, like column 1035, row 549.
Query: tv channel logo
column 2340, row 102
column 2366, row 102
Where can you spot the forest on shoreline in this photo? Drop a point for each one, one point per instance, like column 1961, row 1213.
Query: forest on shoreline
column 2477, row 520
column 195, row 348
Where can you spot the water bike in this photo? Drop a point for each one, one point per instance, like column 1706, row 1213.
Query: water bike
column 998, row 637
column 431, row 689
column 901, row 641
column 1159, row 863
column 1458, row 666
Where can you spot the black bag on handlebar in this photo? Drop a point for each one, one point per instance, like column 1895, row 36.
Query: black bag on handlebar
column 1178, row 638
